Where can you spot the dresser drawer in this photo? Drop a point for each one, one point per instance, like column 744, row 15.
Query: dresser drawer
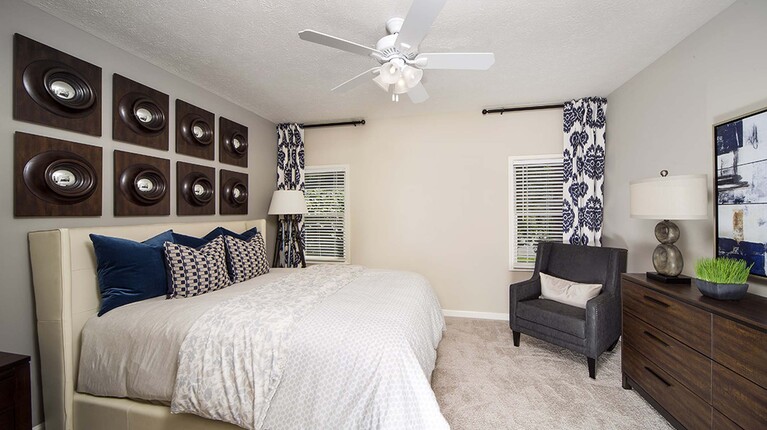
column 739, row 399
column 690, row 410
column 6, row 390
column 721, row 422
column 687, row 324
column 688, row 366
column 742, row 349
column 6, row 419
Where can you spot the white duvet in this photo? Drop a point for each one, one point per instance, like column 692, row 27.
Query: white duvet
column 348, row 348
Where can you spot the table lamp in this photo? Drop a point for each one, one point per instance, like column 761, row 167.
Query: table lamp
column 669, row 198
column 288, row 203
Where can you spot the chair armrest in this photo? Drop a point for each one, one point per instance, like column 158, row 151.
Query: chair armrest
column 603, row 323
column 525, row 290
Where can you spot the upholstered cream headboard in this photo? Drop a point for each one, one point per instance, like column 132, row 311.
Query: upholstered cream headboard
column 66, row 295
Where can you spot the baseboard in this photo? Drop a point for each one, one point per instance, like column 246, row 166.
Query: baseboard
column 477, row 315
column 40, row 426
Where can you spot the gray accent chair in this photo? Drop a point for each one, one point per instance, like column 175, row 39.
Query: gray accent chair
column 589, row 332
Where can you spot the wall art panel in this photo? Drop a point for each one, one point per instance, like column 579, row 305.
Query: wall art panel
column 55, row 89
column 233, row 195
column 233, row 143
column 140, row 114
column 141, row 185
column 196, row 189
column 55, row 177
column 195, row 131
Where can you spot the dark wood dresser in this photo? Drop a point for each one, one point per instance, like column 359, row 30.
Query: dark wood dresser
column 700, row 362
column 15, row 395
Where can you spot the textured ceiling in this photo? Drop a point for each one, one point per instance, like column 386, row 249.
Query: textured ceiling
column 249, row 51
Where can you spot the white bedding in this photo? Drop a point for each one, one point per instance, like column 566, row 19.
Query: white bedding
column 361, row 357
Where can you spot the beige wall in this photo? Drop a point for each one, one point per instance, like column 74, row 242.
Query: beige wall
column 662, row 119
column 430, row 194
column 17, row 312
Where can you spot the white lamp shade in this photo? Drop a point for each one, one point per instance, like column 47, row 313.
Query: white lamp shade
column 390, row 72
column 412, row 76
column 671, row 197
column 288, row 202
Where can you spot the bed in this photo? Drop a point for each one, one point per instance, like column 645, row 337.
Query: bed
column 370, row 317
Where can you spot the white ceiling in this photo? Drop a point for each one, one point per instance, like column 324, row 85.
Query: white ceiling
column 249, row 51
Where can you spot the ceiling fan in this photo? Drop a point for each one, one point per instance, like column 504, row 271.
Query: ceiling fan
column 401, row 66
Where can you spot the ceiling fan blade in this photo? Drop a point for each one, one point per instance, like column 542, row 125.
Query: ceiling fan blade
column 335, row 42
column 418, row 22
column 418, row 94
column 355, row 81
column 458, row 61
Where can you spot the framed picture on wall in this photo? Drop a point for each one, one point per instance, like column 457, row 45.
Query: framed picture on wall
column 740, row 146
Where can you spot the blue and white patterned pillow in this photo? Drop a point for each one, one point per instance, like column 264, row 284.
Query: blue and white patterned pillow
column 247, row 259
column 192, row 272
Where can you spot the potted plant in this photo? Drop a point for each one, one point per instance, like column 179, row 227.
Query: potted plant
column 722, row 278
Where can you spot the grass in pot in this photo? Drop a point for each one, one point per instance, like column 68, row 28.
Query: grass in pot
column 722, row 278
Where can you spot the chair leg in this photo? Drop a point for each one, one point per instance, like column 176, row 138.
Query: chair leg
column 611, row 347
column 592, row 367
column 515, row 335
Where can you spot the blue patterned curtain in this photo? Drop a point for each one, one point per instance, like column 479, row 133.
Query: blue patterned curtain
column 290, row 176
column 584, row 171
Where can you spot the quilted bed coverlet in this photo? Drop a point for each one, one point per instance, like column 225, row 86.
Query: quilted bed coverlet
column 330, row 346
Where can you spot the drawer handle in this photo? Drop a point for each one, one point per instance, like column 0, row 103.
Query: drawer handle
column 657, row 376
column 655, row 338
column 656, row 301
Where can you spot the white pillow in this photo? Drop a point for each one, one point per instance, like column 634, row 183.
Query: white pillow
column 568, row 292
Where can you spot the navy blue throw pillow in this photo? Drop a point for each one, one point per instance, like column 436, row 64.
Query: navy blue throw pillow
column 196, row 242
column 130, row 271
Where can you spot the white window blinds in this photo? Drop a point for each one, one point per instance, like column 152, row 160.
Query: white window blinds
column 326, row 224
column 535, row 206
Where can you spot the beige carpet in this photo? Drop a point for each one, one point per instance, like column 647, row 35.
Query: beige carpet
column 483, row 382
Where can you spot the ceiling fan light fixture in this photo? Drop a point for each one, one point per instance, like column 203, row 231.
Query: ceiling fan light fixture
column 412, row 76
column 391, row 72
column 384, row 86
column 400, row 87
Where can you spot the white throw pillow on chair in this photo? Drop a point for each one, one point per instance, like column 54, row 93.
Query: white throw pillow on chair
column 568, row 292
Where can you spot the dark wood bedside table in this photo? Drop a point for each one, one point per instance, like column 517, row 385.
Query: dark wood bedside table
column 15, row 394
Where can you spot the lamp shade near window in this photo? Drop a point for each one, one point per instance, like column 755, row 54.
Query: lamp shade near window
column 288, row 202
column 681, row 197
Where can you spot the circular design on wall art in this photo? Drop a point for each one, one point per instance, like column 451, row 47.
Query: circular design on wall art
column 196, row 130
column 59, row 89
column 197, row 189
column 60, row 177
column 143, row 184
column 235, row 192
column 142, row 114
column 236, row 144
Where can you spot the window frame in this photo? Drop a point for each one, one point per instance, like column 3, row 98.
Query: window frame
column 347, row 213
column 517, row 160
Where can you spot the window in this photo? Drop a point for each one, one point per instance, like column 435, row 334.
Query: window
column 535, row 206
column 327, row 224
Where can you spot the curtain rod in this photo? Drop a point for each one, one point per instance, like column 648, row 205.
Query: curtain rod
column 335, row 124
column 516, row 109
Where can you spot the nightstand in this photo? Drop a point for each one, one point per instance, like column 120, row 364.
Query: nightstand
column 15, row 394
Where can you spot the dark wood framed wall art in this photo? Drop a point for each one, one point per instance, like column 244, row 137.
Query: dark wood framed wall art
column 233, row 193
column 141, row 185
column 233, row 143
column 140, row 114
column 195, row 131
column 55, row 177
column 55, row 89
column 196, row 189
